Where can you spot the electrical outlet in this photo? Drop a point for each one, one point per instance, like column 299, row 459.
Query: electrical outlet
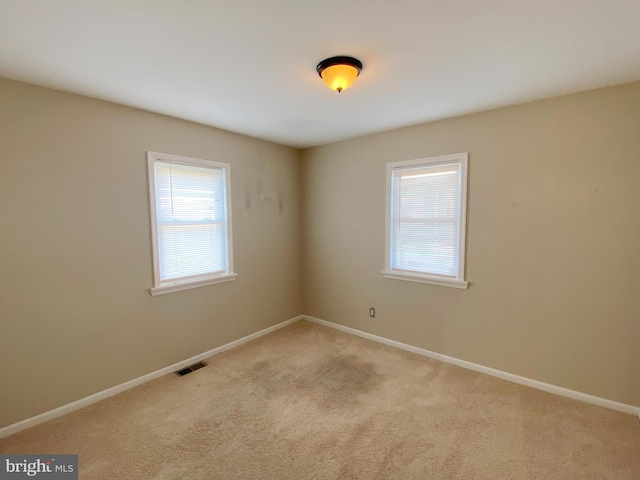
column 372, row 312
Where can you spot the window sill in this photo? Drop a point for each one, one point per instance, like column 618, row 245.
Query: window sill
column 432, row 280
column 178, row 287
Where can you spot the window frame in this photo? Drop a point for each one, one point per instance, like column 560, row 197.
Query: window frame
column 459, row 280
column 160, row 288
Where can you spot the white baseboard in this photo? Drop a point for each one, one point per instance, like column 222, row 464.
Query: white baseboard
column 110, row 392
column 546, row 387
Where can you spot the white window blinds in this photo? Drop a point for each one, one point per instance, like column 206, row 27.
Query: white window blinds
column 191, row 225
column 426, row 224
column 191, row 221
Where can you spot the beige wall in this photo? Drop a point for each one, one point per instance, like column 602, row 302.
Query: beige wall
column 553, row 245
column 75, row 247
column 553, row 236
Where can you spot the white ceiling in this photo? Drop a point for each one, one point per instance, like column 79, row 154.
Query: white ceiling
column 249, row 65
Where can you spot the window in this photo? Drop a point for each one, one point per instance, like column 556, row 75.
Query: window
column 190, row 222
column 426, row 220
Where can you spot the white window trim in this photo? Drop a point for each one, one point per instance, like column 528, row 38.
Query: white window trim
column 411, row 276
column 178, row 287
column 227, row 276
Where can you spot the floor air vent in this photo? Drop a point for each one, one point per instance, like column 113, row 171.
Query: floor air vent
column 191, row 368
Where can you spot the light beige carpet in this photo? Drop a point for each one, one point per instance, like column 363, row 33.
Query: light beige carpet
column 308, row 402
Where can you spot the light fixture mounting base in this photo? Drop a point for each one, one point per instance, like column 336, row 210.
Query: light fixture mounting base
column 339, row 60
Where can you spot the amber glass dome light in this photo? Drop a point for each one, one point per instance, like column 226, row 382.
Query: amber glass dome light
column 339, row 73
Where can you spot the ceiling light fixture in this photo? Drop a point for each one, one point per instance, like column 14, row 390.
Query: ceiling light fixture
column 339, row 72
